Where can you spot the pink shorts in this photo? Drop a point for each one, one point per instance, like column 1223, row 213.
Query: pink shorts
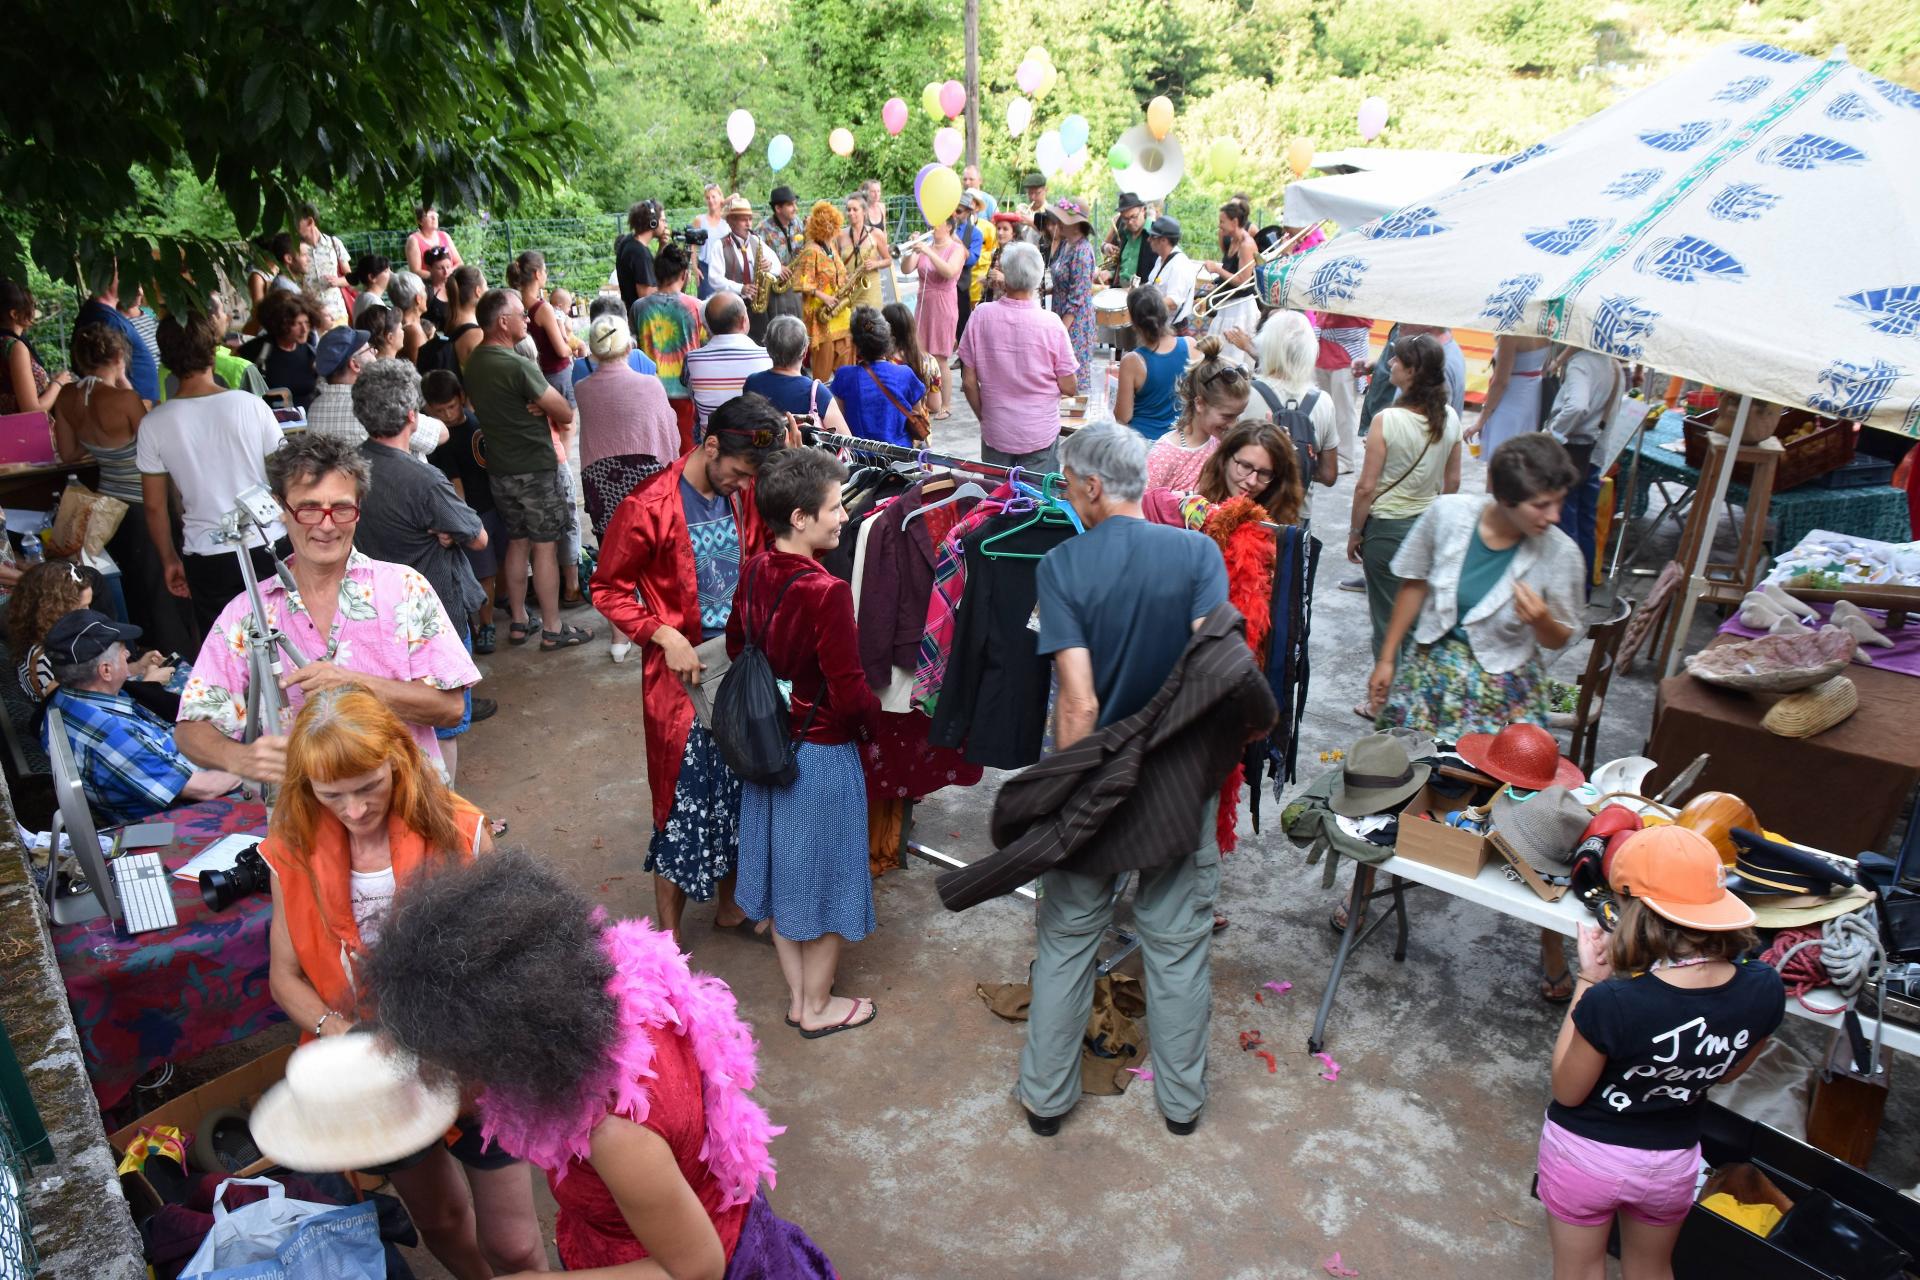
column 1585, row 1183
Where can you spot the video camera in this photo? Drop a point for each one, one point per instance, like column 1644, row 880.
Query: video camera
column 692, row 237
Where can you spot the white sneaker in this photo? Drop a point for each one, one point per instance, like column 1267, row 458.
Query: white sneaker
column 620, row 649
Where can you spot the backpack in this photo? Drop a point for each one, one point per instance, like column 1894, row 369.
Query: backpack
column 750, row 724
column 1296, row 421
column 438, row 353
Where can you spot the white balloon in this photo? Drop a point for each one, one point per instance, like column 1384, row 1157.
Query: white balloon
column 1019, row 116
column 740, row 130
column 1049, row 154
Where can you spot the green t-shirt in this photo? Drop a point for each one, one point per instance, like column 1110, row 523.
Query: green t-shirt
column 1482, row 571
column 501, row 383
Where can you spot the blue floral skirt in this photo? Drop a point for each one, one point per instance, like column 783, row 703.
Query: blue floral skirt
column 803, row 848
column 1442, row 690
column 697, row 848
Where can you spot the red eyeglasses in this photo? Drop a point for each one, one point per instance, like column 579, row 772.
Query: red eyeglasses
column 341, row 513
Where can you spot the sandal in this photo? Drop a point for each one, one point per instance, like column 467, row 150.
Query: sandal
column 1220, row 922
column 1550, row 984
column 565, row 638
column 847, row 1023
column 1365, row 712
column 498, row 826
column 519, row 632
column 1338, row 920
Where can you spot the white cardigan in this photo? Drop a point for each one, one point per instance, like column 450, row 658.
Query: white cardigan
column 1436, row 550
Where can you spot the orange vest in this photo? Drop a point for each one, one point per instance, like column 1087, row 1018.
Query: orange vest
column 318, row 908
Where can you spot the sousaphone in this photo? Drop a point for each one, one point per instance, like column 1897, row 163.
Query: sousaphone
column 1157, row 165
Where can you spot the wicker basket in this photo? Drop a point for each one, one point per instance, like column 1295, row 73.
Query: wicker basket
column 1826, row 449
column 1812, row 711
column 1775, row 664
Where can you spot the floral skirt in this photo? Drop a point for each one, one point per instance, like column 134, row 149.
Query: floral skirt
column 701, row 841
column 1440, row 689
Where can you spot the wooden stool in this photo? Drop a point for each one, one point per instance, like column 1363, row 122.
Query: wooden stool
column 1726, row 582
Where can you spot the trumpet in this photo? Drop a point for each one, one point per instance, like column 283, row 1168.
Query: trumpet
column 1205, row 307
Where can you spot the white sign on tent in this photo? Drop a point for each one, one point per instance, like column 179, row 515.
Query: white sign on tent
column 1749, row 223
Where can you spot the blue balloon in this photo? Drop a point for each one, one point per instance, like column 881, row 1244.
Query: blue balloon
column 779, row 151
column 1073, row 133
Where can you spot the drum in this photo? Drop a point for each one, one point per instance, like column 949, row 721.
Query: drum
column 1110, row 309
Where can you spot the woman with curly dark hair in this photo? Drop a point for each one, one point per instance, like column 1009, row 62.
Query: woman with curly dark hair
column 595, row 1053
column 1255, row 460
column 361, row 818
column 292, row 323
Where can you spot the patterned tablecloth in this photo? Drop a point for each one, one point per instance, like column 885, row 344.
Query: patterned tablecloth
column 168, row 995
column 1869, row 511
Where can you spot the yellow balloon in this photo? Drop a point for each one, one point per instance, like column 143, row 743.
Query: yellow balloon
column 1222, row 157
column 939, row 194
column 1035, row 53
column 1048, row 78
column 930, row 100
column 1299, row 156
column 840, row 141
column 1160, row 117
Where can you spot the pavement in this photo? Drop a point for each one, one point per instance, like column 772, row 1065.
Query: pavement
column 905, row 1155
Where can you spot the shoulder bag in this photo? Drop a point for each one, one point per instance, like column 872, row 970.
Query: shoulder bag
column 919, row 426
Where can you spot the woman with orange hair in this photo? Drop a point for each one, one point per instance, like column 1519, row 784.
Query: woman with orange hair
column 362, row 813
column 820, row 278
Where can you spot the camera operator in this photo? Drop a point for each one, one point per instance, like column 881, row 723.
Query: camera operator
column 633, row 254
column 129, row 766
column 358, row 621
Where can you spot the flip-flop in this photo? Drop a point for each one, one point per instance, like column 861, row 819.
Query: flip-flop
column 1550, row 980
column 565, row 638
column 1360, row 709
column 519, row 632
column 847, row 1023
column 1220, row 923
column 499, row 827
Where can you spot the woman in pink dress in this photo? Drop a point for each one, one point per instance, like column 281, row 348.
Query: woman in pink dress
column 938, row 313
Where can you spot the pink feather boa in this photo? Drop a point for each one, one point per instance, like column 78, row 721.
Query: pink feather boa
column 655, row 988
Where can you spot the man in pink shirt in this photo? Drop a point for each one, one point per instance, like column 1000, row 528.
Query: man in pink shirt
column 1016, row 362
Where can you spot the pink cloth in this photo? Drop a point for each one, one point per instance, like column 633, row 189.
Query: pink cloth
column 622, row 413
column 938, row 312
column 1019, row 352
column 388, row 622
column 1171, row 467
column 1904, row 657
column 1585, row 1183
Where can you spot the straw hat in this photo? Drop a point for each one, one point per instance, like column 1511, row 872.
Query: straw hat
column 1067, row 209
column 1524, row 755
column 1544, row 829
column 348, row 1102
column 737, row 205
column 1795, row 911
column 1812, row 711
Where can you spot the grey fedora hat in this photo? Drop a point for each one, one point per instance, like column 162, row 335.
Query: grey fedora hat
column 1376, row 775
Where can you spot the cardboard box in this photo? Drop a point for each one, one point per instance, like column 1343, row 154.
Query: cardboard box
column 1436, row 844
column 240, row 1087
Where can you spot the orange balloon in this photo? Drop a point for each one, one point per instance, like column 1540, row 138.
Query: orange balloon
column 1299, row 156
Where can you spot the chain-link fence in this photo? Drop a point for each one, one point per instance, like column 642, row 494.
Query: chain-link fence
column 18, row 1261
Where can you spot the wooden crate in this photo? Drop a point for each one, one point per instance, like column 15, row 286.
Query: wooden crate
column 1828, row 447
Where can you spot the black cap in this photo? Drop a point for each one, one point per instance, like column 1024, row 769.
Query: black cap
column 85, row 634
column 1128, row 200
column 1034, row 179
column 1166, row 226
column 1768, row 867
column 782, row 195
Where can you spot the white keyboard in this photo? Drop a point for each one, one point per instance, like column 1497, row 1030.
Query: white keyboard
column 146, row 893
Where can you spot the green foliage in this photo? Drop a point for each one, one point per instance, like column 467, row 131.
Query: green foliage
column 1380, row 38
column 261, row 101
column 1554, row 36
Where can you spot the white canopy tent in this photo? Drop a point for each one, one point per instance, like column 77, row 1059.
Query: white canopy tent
column 1749, row 223
column 1365, row 183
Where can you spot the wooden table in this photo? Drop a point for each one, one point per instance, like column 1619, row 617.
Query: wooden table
column 1840, row 790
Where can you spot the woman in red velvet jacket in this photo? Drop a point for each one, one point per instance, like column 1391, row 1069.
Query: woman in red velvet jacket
column 649, row 585
column 803, row 847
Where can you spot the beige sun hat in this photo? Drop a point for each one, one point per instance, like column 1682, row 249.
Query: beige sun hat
column 350, row 1102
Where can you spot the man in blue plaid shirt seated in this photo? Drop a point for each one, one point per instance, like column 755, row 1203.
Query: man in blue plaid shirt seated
column 129, row 766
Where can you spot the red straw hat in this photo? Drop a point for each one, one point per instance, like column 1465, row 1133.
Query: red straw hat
column 1679, row 875
column 1524, row 755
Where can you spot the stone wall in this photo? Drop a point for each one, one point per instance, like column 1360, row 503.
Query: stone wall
column 81, row 1225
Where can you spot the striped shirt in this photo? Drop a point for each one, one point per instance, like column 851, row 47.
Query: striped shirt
column 718, row 372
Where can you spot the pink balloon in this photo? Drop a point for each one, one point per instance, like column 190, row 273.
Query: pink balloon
column 894, row 115
column 1028, row 75
column 1373, row 117
column 947, row 144
column 953, row 98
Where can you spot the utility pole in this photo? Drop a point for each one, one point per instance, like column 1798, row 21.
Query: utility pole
column 973, row 81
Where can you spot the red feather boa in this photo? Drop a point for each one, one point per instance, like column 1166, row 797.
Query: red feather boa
column 1250, row 551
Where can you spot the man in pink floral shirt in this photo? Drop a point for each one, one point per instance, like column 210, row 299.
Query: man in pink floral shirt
column 357, row 620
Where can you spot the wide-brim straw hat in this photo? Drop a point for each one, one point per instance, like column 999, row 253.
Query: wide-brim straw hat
column 738, row 204
column 1794, row 911
column 1377, row 775
column 350, row 1102
column 1070, row 210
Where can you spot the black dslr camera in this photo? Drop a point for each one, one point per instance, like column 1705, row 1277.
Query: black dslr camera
column 221, row 889
column 692, row 237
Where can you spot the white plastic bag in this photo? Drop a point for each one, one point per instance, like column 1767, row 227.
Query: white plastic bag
column 283, row 1239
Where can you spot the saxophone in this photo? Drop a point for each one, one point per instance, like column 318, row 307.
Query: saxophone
column 859, row 276
column 763, row 288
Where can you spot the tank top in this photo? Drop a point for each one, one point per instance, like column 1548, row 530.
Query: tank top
column 551, row 360
column 1155, row 406
column 119, row 474
column 1405, row 434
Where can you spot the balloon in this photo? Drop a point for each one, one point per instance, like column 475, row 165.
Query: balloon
column 1048, row 154
column 1075, row 162
column 1036, row 53
column 840, row 142
column 1118, row 157
column 1160, row 117
column 1048, row 78
column 947, row 144
column 894, row 116
column 1373, row 117
column 1222, row 156
column 779, row 151
column 939, row 194
column 1073, row 134
column 953, row 98
column 930, row 100
column 740, row 130
column 1299, row 156
column 1019, row 116
column 1028, row 75
column 921, row 176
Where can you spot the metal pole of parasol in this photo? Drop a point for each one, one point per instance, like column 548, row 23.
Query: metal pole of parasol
column 1696, row 572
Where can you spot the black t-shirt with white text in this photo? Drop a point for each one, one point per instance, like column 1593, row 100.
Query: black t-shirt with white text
column 1665, row 1045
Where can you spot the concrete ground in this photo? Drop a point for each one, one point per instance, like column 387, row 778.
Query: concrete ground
column 905, row 1154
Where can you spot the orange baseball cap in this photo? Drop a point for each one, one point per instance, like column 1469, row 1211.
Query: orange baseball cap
column 1679, row 875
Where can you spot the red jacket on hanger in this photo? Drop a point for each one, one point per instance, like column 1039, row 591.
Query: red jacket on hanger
column 645, row 580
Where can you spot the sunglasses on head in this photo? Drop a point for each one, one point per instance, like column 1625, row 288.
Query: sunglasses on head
column 754, row 438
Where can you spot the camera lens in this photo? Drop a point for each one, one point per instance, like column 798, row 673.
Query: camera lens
column 250, row 875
